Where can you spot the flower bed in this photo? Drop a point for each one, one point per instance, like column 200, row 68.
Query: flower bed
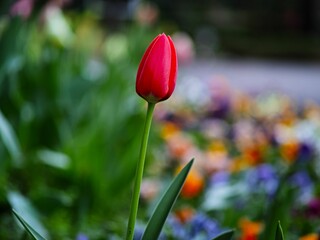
column 256, row 162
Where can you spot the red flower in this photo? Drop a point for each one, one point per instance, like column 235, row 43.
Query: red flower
column 157, row 73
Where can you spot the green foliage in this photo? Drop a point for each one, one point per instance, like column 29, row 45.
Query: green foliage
column 10, row 140
column 70, row 122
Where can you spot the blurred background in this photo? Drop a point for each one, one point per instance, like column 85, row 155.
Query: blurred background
column 246, row 106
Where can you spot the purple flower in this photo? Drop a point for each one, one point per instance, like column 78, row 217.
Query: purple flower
column 202, row 224
column 178, row 230
column 263, row 177
column 82, row 236
column 220, row 177
column 199, row 225
column 301, row 180
column 303, row 185
column 306, row 152
column 138, row 232
column 313, row 208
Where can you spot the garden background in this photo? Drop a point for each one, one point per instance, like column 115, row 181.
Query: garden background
column 246, row 107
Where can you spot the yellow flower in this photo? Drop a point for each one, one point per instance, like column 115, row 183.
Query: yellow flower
column 217, row 158
column 217, row 146
column 169, row 129
column 238, row 163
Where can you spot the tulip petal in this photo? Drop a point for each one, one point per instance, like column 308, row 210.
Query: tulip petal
column 145, row 56
column 173, row 70
column 157, row 71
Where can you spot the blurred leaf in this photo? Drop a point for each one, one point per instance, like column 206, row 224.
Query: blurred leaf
column 14, row 64
column 116, row 47
column 227, row 235
column 163, row 208
column 59, row 28
column 54, row 159
column 27, row 227
column 279, row 232
column 10, row 140
column 26, row 210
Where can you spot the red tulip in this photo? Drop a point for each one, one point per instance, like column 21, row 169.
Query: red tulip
column 157, row 73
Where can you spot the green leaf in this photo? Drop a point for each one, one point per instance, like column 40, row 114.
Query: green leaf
column 54, row 159
column 279, row 232
column 27, row 227
column 227, row 235
column 10, row 140
column 164, row 206
column 24, row 207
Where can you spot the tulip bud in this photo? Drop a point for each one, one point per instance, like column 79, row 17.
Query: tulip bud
column 157, row 73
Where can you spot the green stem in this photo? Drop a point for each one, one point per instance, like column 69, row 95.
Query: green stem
column 139, row 173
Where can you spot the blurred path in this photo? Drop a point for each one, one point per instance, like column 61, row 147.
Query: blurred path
column 299, row 80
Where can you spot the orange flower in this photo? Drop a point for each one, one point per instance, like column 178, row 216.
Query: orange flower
column 193, row 184
column 253, row 156
column 311, row 236
column 184, row 214
column 250, row 230
column 289, row 150
column 179, row 145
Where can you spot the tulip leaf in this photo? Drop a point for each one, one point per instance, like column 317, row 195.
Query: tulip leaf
column 27, row 227
column 227, row 235
column 279, row 232
column 164, row 206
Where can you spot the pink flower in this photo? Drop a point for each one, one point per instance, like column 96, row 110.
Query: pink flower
column 184, row 46
column 22, row 8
